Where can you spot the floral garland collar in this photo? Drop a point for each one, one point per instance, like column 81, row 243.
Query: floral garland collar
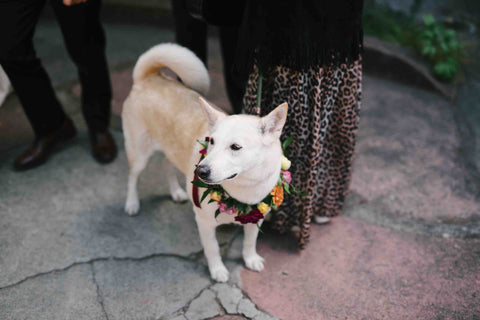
column 246, row 213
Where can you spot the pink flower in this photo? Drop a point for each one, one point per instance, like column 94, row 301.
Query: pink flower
column 287, row 177
column 222, row 206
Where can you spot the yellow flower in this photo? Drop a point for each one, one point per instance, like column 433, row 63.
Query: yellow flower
column 285, row 163
column 215, row 196
column 263, row 207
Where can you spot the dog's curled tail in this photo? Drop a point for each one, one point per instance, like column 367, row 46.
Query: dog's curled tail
column 180, row 60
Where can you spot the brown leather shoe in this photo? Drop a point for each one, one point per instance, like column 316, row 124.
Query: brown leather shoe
column 103, row 146
column 42, row 148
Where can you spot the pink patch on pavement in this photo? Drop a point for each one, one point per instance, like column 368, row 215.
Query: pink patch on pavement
column 354, row 270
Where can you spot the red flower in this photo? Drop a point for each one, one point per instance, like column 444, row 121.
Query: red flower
column 252, row 217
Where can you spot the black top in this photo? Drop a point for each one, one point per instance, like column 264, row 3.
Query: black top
column 299, row 33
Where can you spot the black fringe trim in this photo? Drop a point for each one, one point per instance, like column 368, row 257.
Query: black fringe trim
column 299, row 34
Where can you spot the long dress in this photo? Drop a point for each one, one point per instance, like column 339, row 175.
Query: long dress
column 309, row 55
column 323, row 115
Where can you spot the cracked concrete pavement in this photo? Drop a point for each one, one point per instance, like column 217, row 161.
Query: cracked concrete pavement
column 65, row 252
column 407, row 245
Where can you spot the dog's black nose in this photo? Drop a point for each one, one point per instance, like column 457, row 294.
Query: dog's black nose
column 202, row 172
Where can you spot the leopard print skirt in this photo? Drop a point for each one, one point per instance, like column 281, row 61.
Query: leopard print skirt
column 323, row 115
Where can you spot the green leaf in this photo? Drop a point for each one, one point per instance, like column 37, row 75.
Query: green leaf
column 427, row 34
column 217, row 212
column 444, row 47
column 452, row 63
column 299, row 192
column 450, row 34
column 426, row 43
column 426, row 50
column 287, row 142
column 204, row 195
column 241, row 207
column 259, row 229
column 428, row 19
column 217, row 187
column 286, row 187
column 204, row 144
column 445, row 70
column 454, row 45
column 429, row 51
column 230, row 202
column 199, row 184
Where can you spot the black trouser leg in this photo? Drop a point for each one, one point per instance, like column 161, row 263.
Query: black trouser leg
column 234, row 83
column 85, row 41
column 190, row 32
column 25, row 71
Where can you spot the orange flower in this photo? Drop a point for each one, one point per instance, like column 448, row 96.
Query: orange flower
column 277, row 194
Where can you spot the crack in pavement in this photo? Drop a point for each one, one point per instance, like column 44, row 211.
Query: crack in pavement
column 189, row 304
column 99, row 294
column 247, row 297
column 192, row 257
column 223, row 306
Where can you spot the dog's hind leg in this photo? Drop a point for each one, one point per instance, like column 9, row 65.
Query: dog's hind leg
column 176, row 191
column 139, row 150
column 252, row 260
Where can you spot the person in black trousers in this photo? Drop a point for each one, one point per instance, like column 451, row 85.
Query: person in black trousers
column 191, row 33
column 85, row 41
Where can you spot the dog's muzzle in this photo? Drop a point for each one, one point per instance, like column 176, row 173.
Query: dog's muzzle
column 203, row 172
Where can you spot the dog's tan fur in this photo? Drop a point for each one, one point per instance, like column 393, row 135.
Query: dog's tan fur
column 166, row 111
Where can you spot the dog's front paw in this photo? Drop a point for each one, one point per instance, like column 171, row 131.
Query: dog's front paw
column 179, row 195
column 132, row 207
column 254, row 262
column 219, row 273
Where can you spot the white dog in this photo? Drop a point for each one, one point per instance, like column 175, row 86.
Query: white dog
column 244, row 155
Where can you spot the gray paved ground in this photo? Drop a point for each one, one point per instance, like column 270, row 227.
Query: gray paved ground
column 67, row 249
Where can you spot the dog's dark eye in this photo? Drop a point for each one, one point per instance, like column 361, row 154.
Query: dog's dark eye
column 235, row 147
column 211, row 141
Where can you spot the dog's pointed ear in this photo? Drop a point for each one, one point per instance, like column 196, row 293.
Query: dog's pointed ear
column 213, row 115
column 272, row 124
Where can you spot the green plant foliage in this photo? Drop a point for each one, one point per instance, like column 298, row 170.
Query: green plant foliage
column 439, row 45
column 381, row 21
column 446, row 70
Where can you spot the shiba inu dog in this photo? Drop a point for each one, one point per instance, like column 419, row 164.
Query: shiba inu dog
column 244, row 154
